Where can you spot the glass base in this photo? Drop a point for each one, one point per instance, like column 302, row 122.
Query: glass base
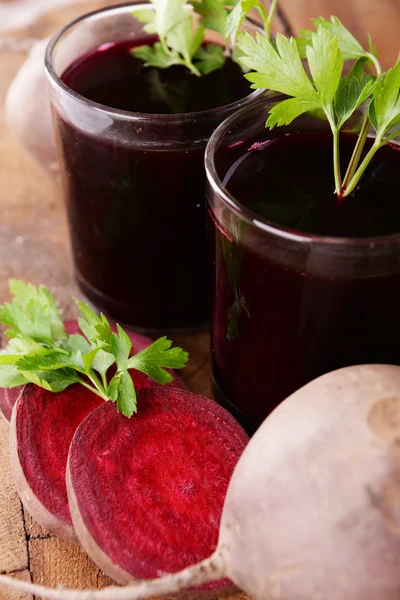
column 248, row 424
column 126, row 315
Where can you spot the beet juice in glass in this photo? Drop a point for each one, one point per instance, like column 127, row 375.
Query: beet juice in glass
column 302, row 285
column 131, row 143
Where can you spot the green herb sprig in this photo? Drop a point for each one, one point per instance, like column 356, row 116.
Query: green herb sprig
column 40, row 351
column 326, row 90
column 181, row 38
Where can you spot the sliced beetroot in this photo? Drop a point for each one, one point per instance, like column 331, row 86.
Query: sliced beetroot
column 146, row 493
column 42, row 427
column 8, row 397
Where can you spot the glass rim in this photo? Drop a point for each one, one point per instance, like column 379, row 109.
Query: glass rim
column 132, row 115
column 260, row 222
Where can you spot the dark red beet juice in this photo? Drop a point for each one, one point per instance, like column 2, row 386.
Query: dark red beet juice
column 135, row 200
column 282, row 318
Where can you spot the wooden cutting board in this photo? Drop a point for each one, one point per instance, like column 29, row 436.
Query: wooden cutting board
column 34, row 247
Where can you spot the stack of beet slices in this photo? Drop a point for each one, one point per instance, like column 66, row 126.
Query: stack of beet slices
column 144, row 495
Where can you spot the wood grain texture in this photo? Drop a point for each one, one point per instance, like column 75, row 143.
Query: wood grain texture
column 34, row 246
column 380, row 19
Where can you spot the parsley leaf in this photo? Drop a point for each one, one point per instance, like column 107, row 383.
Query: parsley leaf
column 156, row 56
column 238, row 15
column 11, row 377
column 173, row 22
column 280, row 70
column 277, row 69
column 326, row 64
column 213, row 14
column 158, row 356
column 384, row 110
column 353, row 90
column 209, row 58
column 122, row 392
column 35, row 354
column 349, row 46
column 24, row 293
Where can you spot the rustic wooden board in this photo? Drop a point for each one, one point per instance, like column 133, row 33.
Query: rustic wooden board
column 380, row 19
column 34, row 246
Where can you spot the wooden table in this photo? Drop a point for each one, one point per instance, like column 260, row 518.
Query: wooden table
column 34, row 246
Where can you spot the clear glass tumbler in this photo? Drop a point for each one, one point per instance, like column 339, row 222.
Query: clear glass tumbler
column 134, row 188
column 287, row 306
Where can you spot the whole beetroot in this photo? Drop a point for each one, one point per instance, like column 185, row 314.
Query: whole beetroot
column 312, row 507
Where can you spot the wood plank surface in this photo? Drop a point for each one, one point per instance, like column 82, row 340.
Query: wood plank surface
column 381, row 19
column 34, row 246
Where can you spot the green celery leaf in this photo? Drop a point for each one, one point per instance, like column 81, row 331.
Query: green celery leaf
column 372, row 49
column 155, row 56
column 326, row 64
column 102, row 362
column 88, row 314
column 209, row 58
column 303, row 41
column 168, row 14
column 147, row 16
column 182, row 39
column 25, row 293
column 213, row 14
column 122, row 391
column 159, row 355
column 349, row 46
column 103, row 330
column 126, row 401
column 353, row 90
column 113, row 387
column 238, row 15
column 49, row 362
column 24, row 345
column 120, row 347
column 54, row 381
column 32, row 321
column 89, row 357
column 9, row 359
column 11, row 377
column 286, row 111
column 77, row 343
column 279, row 70
column 384, row 109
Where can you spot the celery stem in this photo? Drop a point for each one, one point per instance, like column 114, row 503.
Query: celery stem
column 268, row 21
column 360, row 171
column 359, row 147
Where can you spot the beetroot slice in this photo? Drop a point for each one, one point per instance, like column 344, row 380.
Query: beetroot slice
column 42, row 427
column 146, row 493
column 8, row 397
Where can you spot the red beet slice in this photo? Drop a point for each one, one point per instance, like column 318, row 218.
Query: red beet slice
column 42, row 427
column 8, row 397
column 146, row 493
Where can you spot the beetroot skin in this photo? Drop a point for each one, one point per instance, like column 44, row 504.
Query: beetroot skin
column 42, row 427
column 146, row 494
column 8, row 397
